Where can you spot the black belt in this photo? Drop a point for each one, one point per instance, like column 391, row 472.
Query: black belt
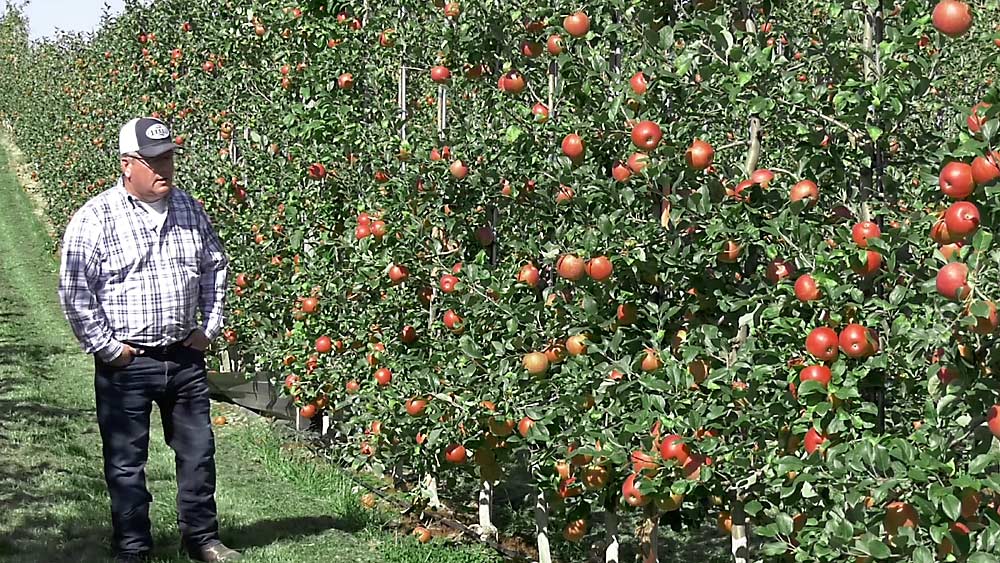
column 145, row 349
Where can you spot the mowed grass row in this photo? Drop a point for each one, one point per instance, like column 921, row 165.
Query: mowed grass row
column 54, row 505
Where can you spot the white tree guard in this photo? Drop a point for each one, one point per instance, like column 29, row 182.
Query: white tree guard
column 430, row 486
column 486, row 528
column 611, row 533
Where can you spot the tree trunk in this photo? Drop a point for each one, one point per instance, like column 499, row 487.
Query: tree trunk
column 647, row 535
column 542, row 528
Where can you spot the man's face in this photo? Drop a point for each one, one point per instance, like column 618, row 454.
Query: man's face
column 150, row 178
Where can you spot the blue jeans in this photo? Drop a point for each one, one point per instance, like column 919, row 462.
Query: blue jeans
column 175, row 378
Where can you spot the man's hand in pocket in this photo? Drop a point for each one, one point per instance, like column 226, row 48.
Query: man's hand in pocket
column 197, row 340
column 125, row 358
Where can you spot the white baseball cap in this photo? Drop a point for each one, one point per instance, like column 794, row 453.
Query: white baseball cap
column 147, row 136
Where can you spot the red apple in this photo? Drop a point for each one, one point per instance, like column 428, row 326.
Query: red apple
column 962, row 219
column 952, row 18
column 863, row 231
column 952, row 281
column 699, row 155
column 440, row 74
column 819, row 374
column 857, row 341
column 976, row 119
column 577, row 24
column 805, row 189
column 778, row 270
column 986, row 169
column 806, row 288
column 993, row 420
column 646, row 135
column 540, row 112
column 573, row 146
column 638, row 83
column 956, row 180
column 822, row 343
column 813, row 440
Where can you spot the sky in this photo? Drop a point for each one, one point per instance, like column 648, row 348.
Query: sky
column 45, row 16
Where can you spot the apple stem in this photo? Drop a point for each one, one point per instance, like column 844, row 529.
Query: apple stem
column 611, row 533
column 541, row 527
column 740, row 543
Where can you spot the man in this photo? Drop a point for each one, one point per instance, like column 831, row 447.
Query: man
column 139, row 261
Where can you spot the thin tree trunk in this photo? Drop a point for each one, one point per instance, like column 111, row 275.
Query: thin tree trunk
column 648, row 535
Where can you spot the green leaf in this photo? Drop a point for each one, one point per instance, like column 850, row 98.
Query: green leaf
column 772, row 549
column 982, row 240
column 990, row 128
column 844, row 530
column 512, row 134
column 655, row 384
column 874, row 547
column 922, row 555
column 874, row 132
column 952, row 506
column 469, row 347
column 980, row 309
column 808, row 491
column 761, row 104
column 979, row 463
column 980, row 557
column 785, row 524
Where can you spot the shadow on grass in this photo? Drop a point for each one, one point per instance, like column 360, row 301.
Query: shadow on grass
column 269, row 531
column 48, row 510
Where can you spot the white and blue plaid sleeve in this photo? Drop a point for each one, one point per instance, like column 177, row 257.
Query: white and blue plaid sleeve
column 212, row 285
column 79, row 274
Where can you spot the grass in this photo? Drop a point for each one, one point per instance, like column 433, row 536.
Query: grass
column 54, row 505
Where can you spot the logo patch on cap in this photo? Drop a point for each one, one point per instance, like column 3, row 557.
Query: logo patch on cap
column 157, row 131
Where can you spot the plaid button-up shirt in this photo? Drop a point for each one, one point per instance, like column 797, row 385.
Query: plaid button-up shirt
column 123, row 278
